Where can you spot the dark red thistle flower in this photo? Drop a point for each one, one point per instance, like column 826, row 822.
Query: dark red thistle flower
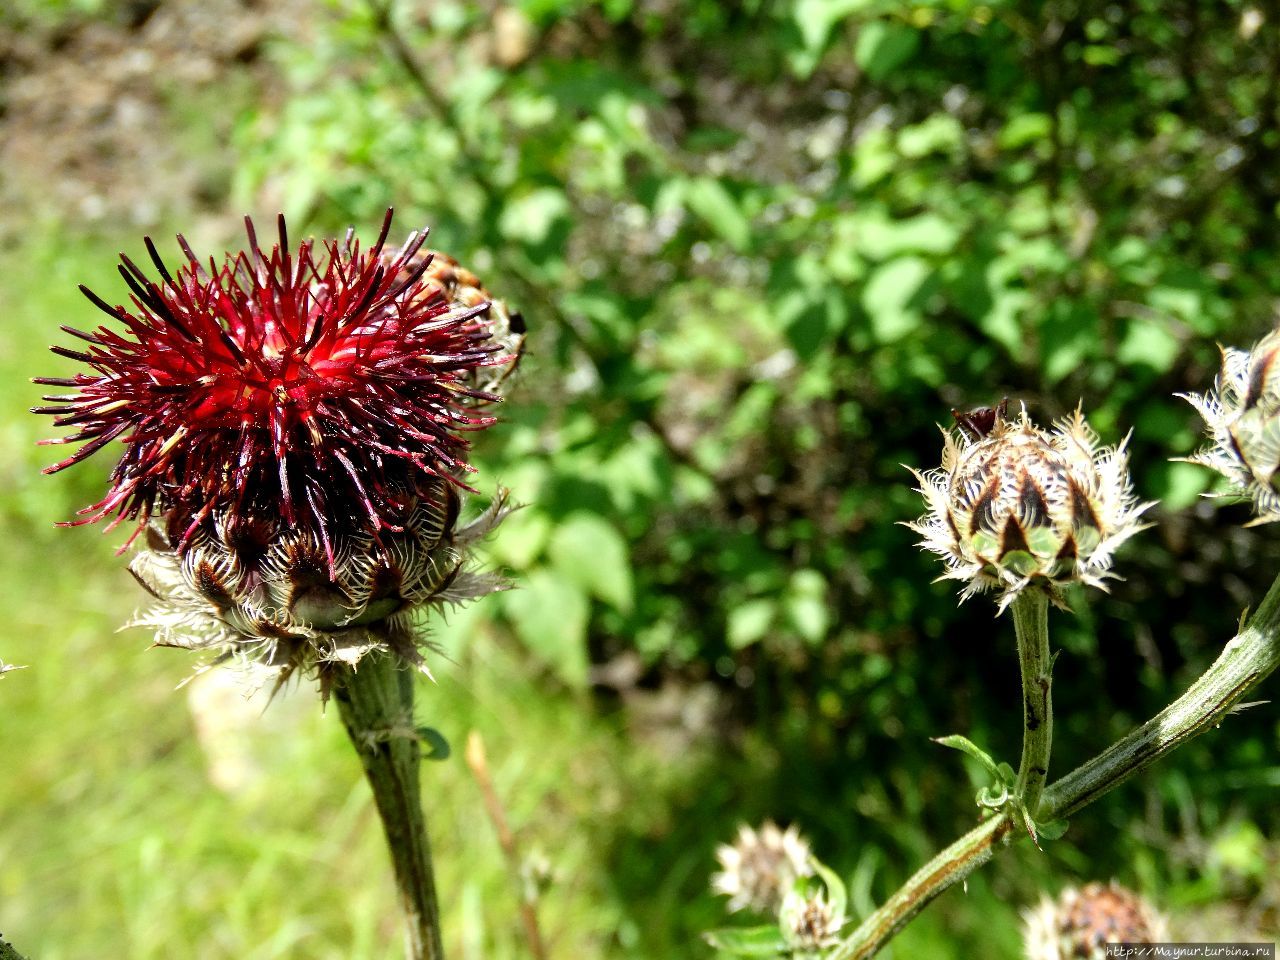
column 326, row 388
column 294, row 442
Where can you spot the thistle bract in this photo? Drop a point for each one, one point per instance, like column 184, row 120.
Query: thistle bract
column 1081, row 922
column 1014, row 505
column 294, row 428
column 1242, row 417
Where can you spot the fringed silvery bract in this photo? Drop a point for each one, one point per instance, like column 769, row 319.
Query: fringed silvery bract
column 1080, row 923
column 294, row 428
column 1242, row 417
column 1015, row 505
column 761, row 866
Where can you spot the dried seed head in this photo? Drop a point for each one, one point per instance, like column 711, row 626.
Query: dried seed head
column 760, row 867
column 1014, row 505
column 1242, row 417
column 1081, row 922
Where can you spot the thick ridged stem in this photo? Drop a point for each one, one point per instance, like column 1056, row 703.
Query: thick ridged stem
column 1247, row 659
column 949, row 867
column 376, row 705
column 1031, row 624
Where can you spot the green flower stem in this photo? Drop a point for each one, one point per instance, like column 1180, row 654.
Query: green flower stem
column 376, row 706
column 1031, row 624
column 1248, row 659
column 8, row 953
column 949, row 867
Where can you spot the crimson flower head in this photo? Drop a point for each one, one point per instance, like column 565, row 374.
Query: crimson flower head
column 294, row 426
column 325, row 387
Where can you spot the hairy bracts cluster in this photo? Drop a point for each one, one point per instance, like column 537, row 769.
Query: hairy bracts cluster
column 1014, row 505
column 326, row 391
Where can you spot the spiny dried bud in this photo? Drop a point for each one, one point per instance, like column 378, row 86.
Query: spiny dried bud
column 1081, row 922
column 760, row 867
column 809, row 922
column 1015, row 505
column 293, row 428
column 1242, row 416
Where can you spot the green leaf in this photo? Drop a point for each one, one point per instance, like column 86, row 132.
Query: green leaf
column 530, row 217
column 712, row 201
column 764, row 941
column 549, row 613
column 1148, row 343
column 521, row 538
column 888, row 296
column 837, row 896
column 1024, row 129
column 1180, row 484
column 817, row 18
column 433, row 744
column 806, row 605
column 883, row 46
column 1051, row 830
column 749, row 622
column 590, row 552
column 957, row 742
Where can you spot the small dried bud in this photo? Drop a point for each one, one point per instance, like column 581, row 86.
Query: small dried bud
column 1081, row 922
column 1014, row 505
column 809, row 922
column 1242, row 414
column 760, row 867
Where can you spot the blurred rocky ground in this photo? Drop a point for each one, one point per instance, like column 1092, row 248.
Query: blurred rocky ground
column 102, row 112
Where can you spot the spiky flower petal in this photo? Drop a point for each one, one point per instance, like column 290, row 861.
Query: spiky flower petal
column 1242, row 417
column 1014, row 505
column 760, row 867
column 1081, row 922
column 293, row 427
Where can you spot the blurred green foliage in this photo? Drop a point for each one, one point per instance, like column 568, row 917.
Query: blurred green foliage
column 763, row 249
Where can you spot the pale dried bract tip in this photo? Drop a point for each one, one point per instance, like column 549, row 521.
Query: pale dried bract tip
column 6, row 667
column 1081, row 922
column 810, row 923
column 1015, row 505
column 1242, row 418
column 760, row 867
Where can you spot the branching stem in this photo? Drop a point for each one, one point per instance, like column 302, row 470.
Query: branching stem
column 1248, row 659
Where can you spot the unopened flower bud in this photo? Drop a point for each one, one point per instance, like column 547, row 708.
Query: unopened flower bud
column 1014, row 505
column 1242, row 416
